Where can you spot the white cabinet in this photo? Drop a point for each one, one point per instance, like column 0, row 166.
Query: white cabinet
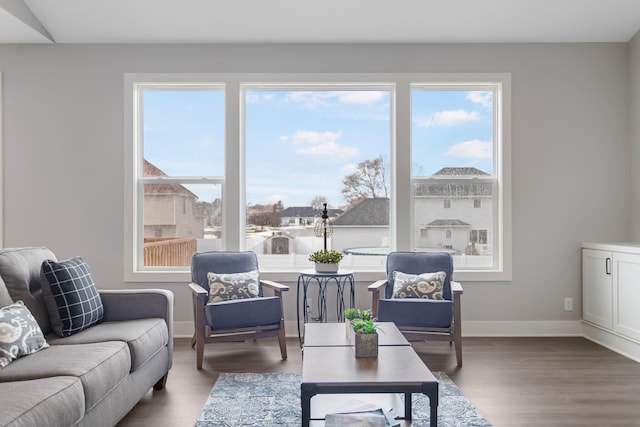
column 611, row 295
column 626, row 294
column 597, row 288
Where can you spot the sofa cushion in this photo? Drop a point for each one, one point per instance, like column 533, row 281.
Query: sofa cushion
column 20, row 334
column 71, row 296
column 51, row 402
column 229, row 286
column 144, row 337
column 251, row 312
column 20, row 271
column 100, row 367
column 416, row 312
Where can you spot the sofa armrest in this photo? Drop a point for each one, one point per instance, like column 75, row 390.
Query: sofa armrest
column 130, row 304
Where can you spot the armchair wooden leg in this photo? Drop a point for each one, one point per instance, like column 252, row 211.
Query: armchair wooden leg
column 282, row 340
column 459, row 352
column 199, row 353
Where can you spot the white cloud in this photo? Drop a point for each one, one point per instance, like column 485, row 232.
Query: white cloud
column 360, row 97
column 312, row 137
column 256, row 98
column 327, row 98
column 484, row 98
column 321, row 144
column 474, row 149
column 454, row 117
column 448, row 118
column 349, row 169
column 329, row 149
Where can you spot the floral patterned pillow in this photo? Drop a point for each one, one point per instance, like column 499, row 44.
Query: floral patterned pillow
column 425, row 285
column 230, row 286
column 20, row 334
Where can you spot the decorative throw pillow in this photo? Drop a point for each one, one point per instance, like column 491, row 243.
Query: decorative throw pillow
column 425, row 285
column 70, row 295
column 20, row 334
column 224, row 287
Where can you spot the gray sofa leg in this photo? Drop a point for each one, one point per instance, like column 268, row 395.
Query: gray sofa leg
column 161, row 382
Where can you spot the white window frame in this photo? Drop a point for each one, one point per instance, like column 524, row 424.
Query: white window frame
column 1, row 163
column 500, row 179
column 400, row 209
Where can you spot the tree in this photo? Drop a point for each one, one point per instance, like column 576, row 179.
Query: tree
column 318, row 202
column 368, row 181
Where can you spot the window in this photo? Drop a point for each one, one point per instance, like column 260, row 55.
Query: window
column 457, row 156
column 306, row 146
column 216, row 162
column 180, row 134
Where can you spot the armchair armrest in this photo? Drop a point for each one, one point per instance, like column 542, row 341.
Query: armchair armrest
column 376, row 287
column 277, row 288
column 456, row 287
column 198, row 290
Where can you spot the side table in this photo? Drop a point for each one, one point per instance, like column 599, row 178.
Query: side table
column 341, row 278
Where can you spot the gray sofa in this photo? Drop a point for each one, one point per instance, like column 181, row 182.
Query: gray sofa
column 94, row 377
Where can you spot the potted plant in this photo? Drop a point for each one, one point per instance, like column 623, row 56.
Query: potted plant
column 365, row 338
column 362, row 332
column 326, row 261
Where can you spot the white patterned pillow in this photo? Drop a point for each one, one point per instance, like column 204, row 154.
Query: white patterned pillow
column 425, row 285
column 224, row 287
column 20, row 334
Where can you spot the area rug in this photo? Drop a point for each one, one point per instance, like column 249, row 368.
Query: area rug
column 273, row 399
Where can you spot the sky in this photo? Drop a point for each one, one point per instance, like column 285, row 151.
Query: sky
column 301, row 144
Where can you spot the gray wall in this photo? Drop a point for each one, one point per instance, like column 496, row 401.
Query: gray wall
column 634, row 119
column 571, row 133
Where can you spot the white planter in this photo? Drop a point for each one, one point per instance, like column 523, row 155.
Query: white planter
column 326, row 268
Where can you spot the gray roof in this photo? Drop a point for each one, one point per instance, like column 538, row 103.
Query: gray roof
column 448, row 223
column 308, row 212
column 367, row 212
column 460, row 171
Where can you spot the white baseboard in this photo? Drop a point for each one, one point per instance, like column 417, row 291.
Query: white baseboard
column 559, row 328
column 184, row 329
column 609, row 339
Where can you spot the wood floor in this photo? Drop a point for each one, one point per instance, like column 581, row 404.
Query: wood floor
column 513, row 381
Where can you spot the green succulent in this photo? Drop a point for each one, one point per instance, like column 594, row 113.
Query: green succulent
column 326, row 256
column 356, row 313
column 361, row 326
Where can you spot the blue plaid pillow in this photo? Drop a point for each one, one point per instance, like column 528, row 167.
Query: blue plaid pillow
column 71, row 297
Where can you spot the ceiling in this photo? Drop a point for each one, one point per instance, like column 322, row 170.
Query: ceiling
column 328, row 21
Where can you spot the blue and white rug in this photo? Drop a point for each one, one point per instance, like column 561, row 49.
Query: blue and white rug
column 273, row 399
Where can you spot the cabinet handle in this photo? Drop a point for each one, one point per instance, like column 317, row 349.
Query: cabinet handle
column 607, row 266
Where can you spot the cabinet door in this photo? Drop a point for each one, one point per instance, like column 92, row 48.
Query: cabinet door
column 597, row 288
column 626, row 275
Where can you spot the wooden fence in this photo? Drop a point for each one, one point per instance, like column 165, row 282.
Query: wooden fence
column 166, row 252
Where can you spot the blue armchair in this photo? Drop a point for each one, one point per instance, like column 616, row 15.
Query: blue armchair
column 420, row 318
column 234, row 308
